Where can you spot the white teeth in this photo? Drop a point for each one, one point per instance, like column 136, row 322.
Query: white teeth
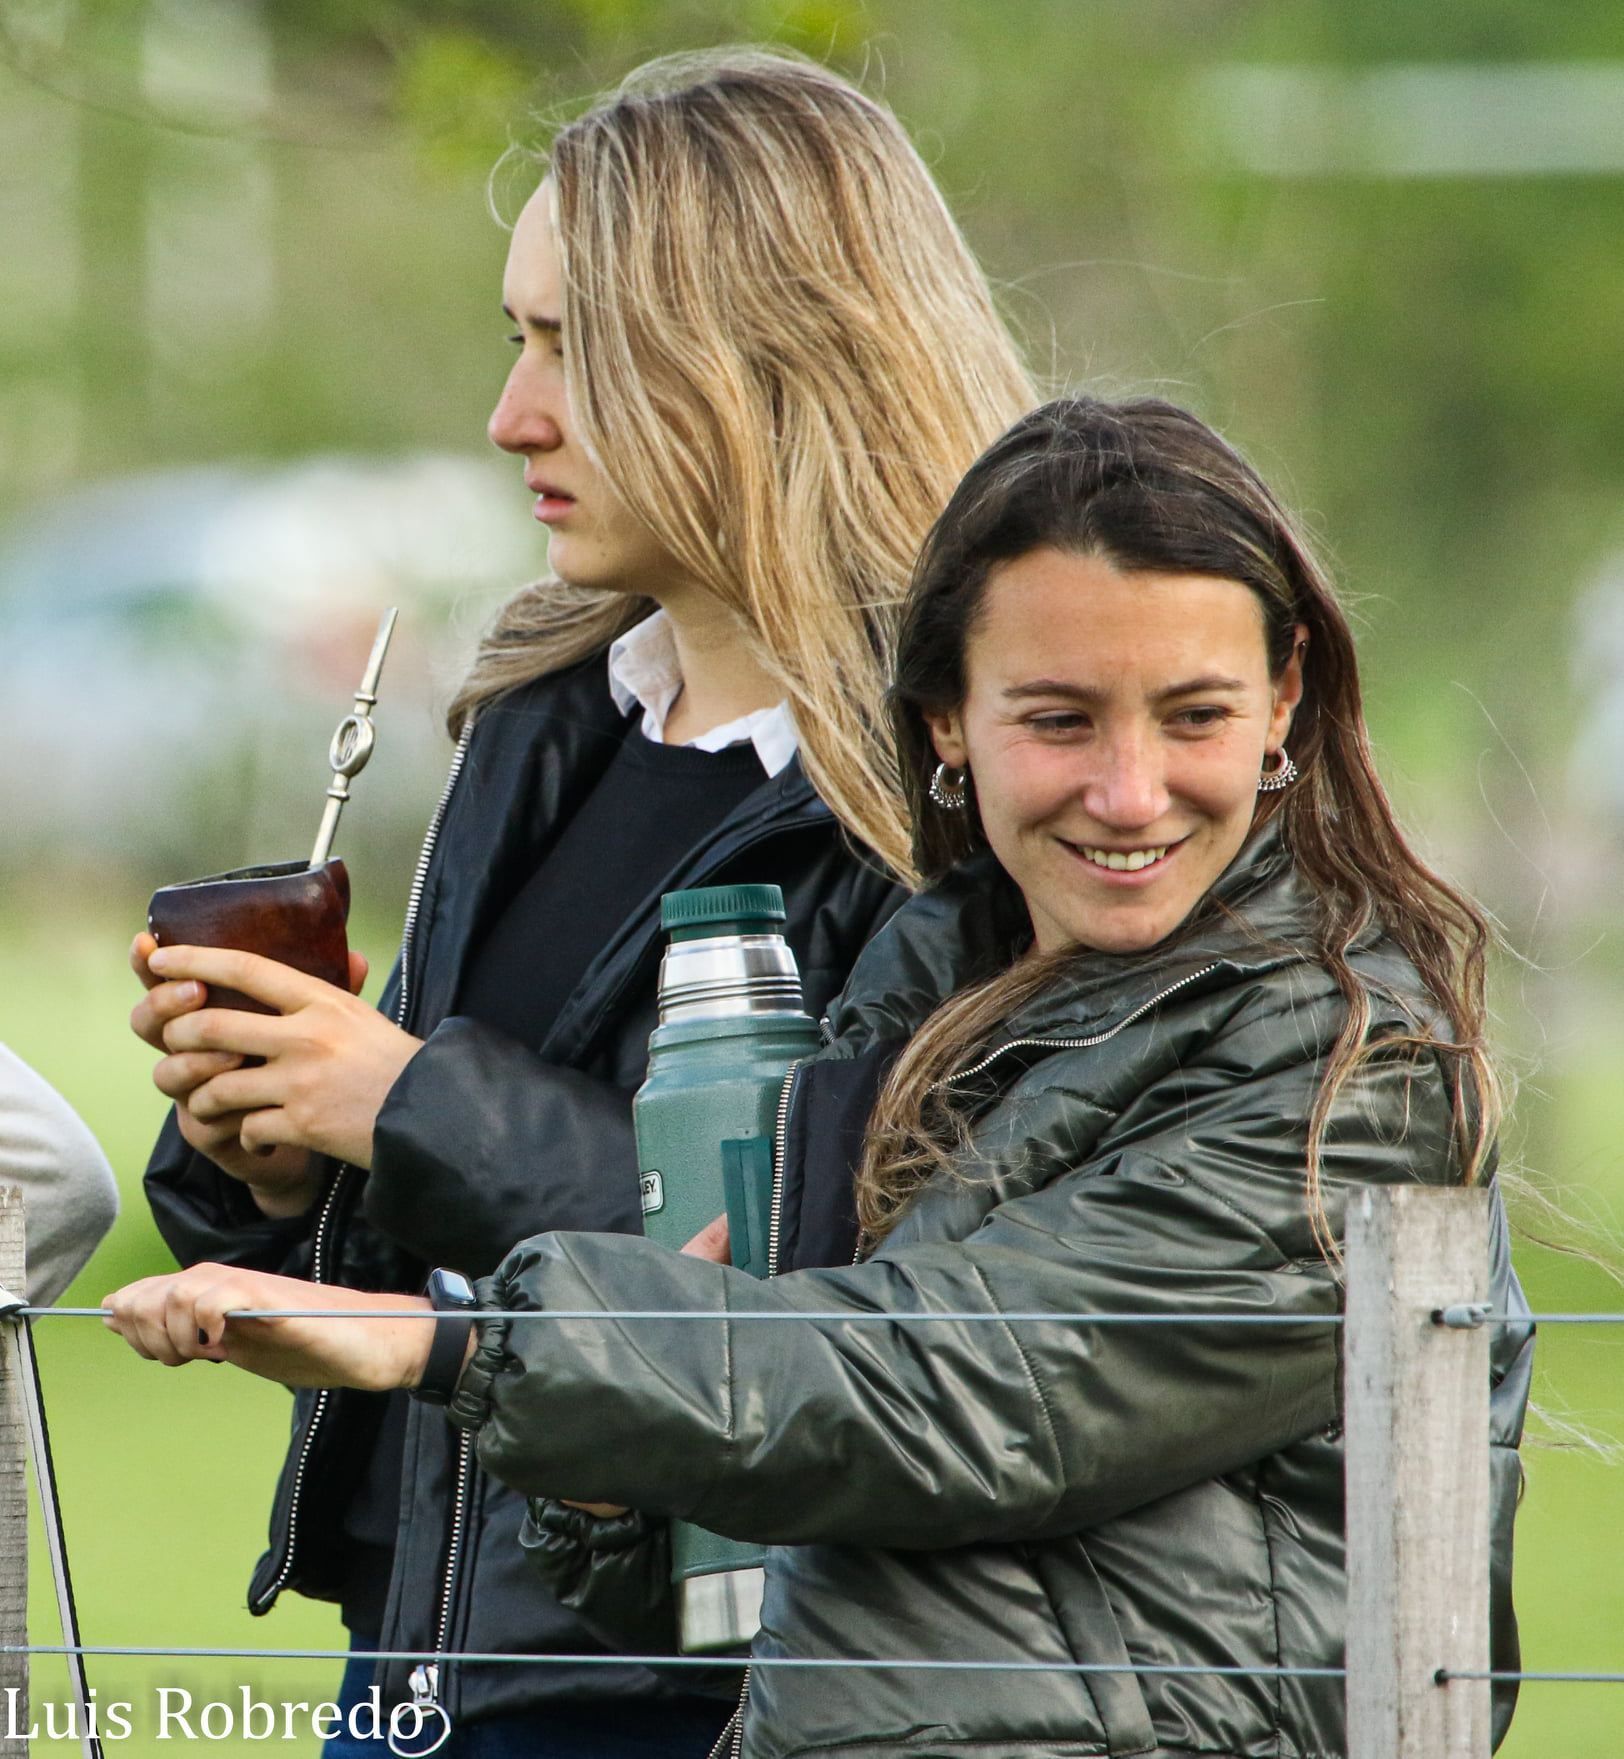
column 1120, row 861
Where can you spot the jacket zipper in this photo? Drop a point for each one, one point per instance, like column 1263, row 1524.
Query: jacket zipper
column 1076, row 1044
column 424, row 1679
column 324, row 1222
column 318, row 1268
column 775, row 1213
column 737, row 1725
column 414, row 898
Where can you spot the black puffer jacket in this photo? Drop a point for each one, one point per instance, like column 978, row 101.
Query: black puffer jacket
column 1017, row 1491
column 482, row 1142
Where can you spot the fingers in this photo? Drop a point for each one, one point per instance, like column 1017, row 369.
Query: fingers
column 232, row 1091
column 178, row 1077
column 218, row 1140
column 157, row 1316
column 358, row 972
column 278, row 986
column 161, row 1004
column 232, row 1030
column 140, row 948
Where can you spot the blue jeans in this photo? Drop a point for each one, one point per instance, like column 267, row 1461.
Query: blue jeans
column 621, row 1728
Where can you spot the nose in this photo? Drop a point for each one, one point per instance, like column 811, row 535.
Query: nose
column 522, row 420
column 1128, row 789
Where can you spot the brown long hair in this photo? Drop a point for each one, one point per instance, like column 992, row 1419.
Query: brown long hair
column 782, row 355
column 1150, row 489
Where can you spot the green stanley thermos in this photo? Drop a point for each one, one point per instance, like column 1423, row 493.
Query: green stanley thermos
column 731, row 1023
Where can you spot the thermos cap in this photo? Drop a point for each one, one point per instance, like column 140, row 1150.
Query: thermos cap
column 728, row 957
column 705, row 910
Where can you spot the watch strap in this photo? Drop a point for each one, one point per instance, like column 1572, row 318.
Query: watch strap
column 454, row 1301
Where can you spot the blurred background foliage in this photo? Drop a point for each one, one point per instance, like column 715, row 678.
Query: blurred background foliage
column 249, row 336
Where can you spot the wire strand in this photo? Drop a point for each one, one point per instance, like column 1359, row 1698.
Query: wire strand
column 837, row 1318
column 907, row 1664
column 876, row 1318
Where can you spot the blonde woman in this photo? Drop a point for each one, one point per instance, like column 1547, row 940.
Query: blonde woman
column 754, row 357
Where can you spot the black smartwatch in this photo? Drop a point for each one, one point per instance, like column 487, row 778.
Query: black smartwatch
column 452, row 1296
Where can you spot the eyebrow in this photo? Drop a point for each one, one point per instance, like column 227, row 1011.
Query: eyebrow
column 1211, row 681
column 552, row 325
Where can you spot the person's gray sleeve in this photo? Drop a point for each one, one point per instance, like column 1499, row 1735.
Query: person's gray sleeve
column 69, row 1193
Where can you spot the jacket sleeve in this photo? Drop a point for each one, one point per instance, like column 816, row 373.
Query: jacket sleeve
column 614, row 1571
column 481, row 1143
column 830, row 1427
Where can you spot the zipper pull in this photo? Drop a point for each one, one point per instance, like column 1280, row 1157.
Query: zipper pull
column 424, row 1681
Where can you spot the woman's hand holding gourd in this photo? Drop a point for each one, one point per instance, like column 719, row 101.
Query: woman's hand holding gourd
column 329, row 1062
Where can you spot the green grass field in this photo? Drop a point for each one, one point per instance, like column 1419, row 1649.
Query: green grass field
column 166, row 1476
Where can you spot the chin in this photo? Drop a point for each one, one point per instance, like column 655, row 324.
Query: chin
column 1137, row 935
column 575, row 572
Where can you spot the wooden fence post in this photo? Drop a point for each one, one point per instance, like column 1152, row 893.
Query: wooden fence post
column 1417, row 1451
column 13, row 1484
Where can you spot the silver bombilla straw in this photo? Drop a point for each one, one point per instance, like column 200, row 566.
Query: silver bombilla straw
column 352, row 743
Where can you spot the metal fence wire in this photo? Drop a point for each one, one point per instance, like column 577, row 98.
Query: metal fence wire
column 1453, row 1275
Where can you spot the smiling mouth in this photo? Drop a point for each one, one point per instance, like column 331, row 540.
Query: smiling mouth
column 1122, row 860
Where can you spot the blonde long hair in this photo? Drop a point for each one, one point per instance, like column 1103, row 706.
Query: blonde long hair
column 782, row 355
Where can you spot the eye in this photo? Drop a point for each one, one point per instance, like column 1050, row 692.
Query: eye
column 516, row 339
column 1058, row 721
column 1203, row 717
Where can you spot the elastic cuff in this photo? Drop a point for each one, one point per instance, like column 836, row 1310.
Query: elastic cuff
column 554, row 1522
column 470, row 1405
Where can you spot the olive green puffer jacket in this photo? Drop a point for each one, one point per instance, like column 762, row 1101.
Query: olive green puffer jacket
column 1023, row 1490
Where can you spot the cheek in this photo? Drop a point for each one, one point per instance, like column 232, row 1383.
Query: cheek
column 1218, row 779
column 1018, row 780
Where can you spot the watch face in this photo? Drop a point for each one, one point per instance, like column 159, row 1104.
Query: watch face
column 450, row 1288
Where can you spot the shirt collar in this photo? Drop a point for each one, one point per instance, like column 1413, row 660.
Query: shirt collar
column 644, row 672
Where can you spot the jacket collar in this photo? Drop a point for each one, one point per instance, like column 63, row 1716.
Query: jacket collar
column 973, row 923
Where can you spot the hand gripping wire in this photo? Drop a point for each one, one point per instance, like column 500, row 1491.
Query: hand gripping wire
column 19, row 1344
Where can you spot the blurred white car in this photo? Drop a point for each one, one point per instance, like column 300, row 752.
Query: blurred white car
column 176, row 648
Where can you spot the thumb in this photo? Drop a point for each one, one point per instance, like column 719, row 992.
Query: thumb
column 711, row 1242
column 358, row 972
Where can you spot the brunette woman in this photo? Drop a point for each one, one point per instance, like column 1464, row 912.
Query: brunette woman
column 1177, row 988
column 754, row 355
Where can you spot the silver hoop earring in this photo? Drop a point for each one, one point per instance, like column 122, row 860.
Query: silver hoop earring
column 1281, row 776
column 948, row 791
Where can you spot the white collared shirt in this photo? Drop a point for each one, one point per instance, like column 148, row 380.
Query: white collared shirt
column 644, row 672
